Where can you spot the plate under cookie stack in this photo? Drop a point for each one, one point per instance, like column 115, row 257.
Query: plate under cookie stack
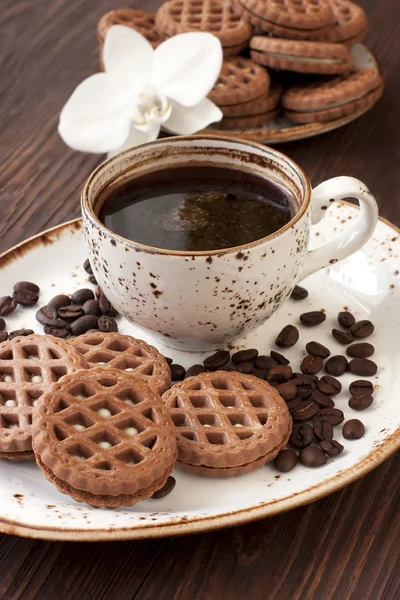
column 294, row 58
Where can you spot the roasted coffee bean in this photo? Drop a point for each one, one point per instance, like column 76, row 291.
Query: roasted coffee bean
column 169, row 360
column 288, row 391
column 329, row 385
column 336, row 365
column 165, row 490
column 2, row 324
column 260, row 373
column 106, row 324
column 249, row 355
column 92, row 279
column 88, row 267
column 194, row 370
column 331, row 447
column 312, row 456
column 322, row 400
column 3, row 336
column 291, row 404
column 106, row 308
column 361, row 350
column 84, row 323
column 363, row 367
column 280, row 359
column 299, row 293
column 288, row 337
column 20, row 333
column 71, row 312
column 91, row 307
column 301, row 379
column 280, row 374
column 343, row 337
column 312, row 378
column 323, row 430
column 361, row 402
column 315, row 317
column 353, row 429
column 304, row 386
column 334, row 416
column 177, row 372
column 317, row 349
column 361, row 387
column 98, row 292
column 265, row 362
column 56, row 303
column 7, row 305
column 306, row 410
column 311, row 365
column 230, row 368
column 245, row 367
column 362, row 329
column 285, row 461
column 63, row 331
column 26, row 285
column 346, row 319
column 26, row 297
column 45, row 317
column 81, row 296
column 217, row 361
column 302, row 435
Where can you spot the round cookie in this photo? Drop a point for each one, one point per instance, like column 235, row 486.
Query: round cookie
column 116, row 351
column 104, row 437
column 240, row 80
column 333, row 99
column 351, row 23
column 292, row 19
column 320, row 58
column 213, row 16
column 140, row 20
column 227, row 423
column 254, row 113
column 28, row 368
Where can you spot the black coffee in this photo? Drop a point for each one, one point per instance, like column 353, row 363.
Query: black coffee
column 196, row 208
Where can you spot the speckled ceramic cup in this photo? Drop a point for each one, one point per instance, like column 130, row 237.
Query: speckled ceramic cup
column 203, row 300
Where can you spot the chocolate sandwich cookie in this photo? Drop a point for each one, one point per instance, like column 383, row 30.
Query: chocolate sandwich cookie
column 351, row 23
column 239, row 81
column 254, row 113
column 142, row 21
column 103, row 437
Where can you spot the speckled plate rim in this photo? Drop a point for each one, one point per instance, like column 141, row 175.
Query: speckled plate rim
column 382, row 451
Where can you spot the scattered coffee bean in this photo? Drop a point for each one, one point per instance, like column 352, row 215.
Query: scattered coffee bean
column 84, row 323
column 7, row 305
column 362, row 329
column 291, row 404
column 302, row 435
column 329, row 385
column 194, row 370
column 88, row 267
column 336, row 365
column 2, row 324
column 361, row 387
column 288, row 391
column 308, row 376
column 260, row 373
column 265, row 362
column 322, row 400
column 312, row 456
column 3, row 336
column 45, row 317
column 106, row 324
column 20, row 333
column 98, row 291
column 26, row 285
column 323, row 430
column 346, row 319
column 306, row 410
column 285, row 461
column 343, row 337
column 81, row 296
column 361, row 402
column 299, row 293
column 177, row 372
column 217, row 361
column 56, row 303
column 363, row 367
column 334, row 416
column 288, row 337
column 353, row 429
column 63, row 331
column 106, row 308
column 249, row 355
column 304, row 386
column 311, row 365
column 71, row 312
column 92, row 279
column 26, row 293
column 280, row 359
column 315, row 317
column 91, row 307
column 169, row 360
column 331, row 447
column 247, row 368
column 166, row 489
column 280, row 374
column 317, row 349
column 361, row 350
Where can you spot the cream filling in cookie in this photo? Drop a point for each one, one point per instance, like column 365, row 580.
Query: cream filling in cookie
column 335, row 104
column 306, row 59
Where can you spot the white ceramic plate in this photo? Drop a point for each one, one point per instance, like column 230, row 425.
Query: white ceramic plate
column 368, row 284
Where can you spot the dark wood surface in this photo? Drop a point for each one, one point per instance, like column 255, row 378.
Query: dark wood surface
column 345, row 546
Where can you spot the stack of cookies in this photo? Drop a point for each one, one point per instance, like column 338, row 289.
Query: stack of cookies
column 267, row 39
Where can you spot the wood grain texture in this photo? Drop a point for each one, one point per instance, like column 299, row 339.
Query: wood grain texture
column 344, row 547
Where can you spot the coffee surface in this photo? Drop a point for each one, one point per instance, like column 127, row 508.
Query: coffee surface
column 196, row 208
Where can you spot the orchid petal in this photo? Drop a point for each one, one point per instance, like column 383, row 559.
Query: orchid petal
column 128, row 56
column 187, row 120
column 137, row 137
column 186, row 66
column 96, row 118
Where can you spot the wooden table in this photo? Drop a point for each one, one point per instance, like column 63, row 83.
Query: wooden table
column 344, row 546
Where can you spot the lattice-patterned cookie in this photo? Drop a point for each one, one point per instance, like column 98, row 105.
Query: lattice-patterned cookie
column 213, row 16
column 227, row 423
column 28, row 368
column 116, row 351
column 254, row 113
column 240, row 80
column 104, row 438
column 140, row 20
column 351, row 23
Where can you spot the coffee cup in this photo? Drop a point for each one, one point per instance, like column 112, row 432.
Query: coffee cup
column 201, row 300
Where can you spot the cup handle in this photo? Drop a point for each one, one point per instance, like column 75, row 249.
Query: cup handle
column 350, row 241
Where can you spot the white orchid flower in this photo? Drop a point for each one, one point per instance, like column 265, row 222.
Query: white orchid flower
column 143, row 89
